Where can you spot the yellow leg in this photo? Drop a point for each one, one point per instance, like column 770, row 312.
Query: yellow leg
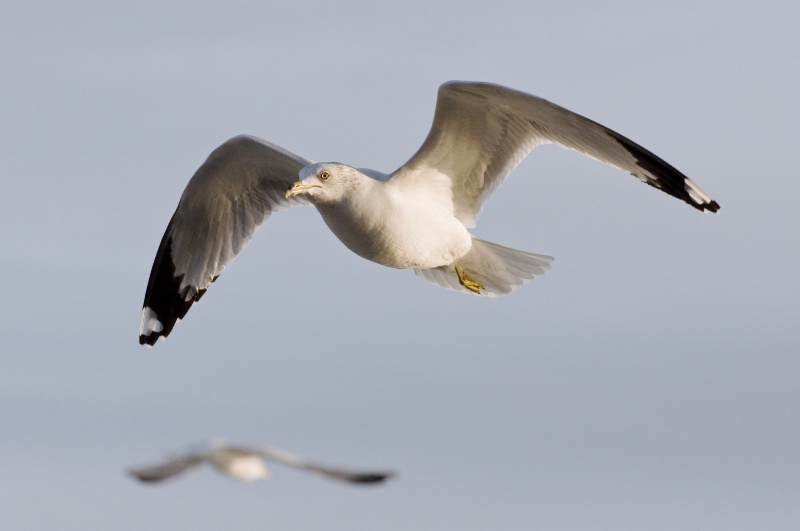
column 469, row 283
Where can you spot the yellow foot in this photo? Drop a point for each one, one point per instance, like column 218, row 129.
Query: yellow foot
column 471, row 284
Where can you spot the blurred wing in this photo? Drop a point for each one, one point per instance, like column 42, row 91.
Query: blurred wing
column 481, row 132
column 285, row 458
column 349, row 475
column 235, row 190
column 167, row 469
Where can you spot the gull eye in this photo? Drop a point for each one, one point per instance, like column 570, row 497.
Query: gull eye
column 324, row 176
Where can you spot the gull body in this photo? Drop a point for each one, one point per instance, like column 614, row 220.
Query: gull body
column 417, row 217
column 396, row 230
column 247, row 464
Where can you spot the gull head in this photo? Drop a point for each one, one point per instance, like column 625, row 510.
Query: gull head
column 326, row 182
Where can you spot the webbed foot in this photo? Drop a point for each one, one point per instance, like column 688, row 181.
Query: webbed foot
column 471, row 284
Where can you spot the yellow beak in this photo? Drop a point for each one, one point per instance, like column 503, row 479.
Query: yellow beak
column 298, row 188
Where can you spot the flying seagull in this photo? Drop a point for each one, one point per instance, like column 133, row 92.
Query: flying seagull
column 247, row 464
column 415, row 218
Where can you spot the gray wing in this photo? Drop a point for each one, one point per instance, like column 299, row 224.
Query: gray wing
column 235, row 190
column 169, row 468
column 481, row 132
column 351, row 476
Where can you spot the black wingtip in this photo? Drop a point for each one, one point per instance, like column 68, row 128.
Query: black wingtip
column 664, row 176
column 164, row 298
column 150, row 339
column 143, row 476
column 365, row 479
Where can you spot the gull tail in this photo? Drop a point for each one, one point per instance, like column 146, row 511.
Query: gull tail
column 499, row 269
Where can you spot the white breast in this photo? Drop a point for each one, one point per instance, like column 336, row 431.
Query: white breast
column 385, row 225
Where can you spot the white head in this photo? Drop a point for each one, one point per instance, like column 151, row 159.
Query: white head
column 327, row 182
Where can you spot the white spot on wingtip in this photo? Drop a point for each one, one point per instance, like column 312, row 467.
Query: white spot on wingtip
column 697, row 195
column 150, row 322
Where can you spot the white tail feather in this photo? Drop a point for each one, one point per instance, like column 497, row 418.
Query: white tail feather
column 500, row 269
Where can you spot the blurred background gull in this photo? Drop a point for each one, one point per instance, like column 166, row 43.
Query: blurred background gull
column 245, row 464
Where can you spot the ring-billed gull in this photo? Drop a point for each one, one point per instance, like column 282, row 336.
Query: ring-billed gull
column 415, row 218
column 246, row 464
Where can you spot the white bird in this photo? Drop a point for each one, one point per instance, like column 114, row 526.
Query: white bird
column 246, row 464
column 415, row 218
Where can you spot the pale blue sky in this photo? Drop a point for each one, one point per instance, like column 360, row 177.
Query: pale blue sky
column 649, row 381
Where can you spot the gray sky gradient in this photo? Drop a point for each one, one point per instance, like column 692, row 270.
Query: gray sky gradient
column 649, row 381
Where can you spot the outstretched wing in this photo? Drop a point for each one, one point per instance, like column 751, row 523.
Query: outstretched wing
column 481, row 132
column 351, row 476
column 235, row 190
column 169, row 468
